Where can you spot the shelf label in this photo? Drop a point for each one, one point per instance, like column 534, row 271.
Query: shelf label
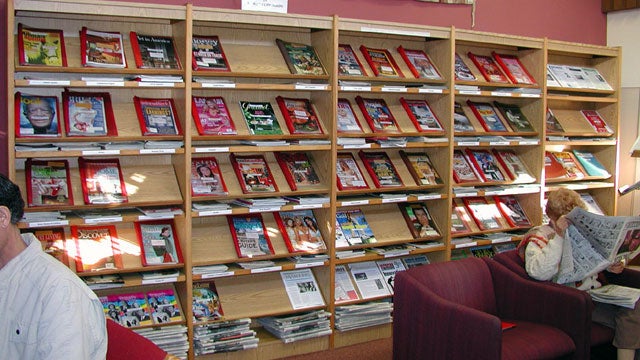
column 218, row 275
column 104, row 83
column 212, row 149
column 501, row 240
column 266, row 269
column 218, row 85
column 528, row 142
column 159, row 281
column 100, row 152
column 278, row 6
column 467, row 244
column 394, row 200
column 309, row 264
column 430, row 91
column 469, row 92
column 356, row 146
column 264, row 209
column 215, row 212
column 307, row 206
column 396, row 254
column 155, row 84
column 468, row 143
column 49, row 82
column 428, row 196
column 157, row 151
column 530, row 95
column 48, row 223
column 501, row 93
column 156, row 217
column 499, row 143
column 311, row 87
column 105, row 219
column 393, row 89
column 354, row 202
column 355, row 88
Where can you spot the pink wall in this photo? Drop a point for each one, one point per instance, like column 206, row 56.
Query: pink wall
column 569, row 20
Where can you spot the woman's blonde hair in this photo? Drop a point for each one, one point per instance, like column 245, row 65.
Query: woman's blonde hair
column 561, row 202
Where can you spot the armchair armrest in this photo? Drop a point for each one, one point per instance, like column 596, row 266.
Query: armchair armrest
column 444, row 327
column 628, row 277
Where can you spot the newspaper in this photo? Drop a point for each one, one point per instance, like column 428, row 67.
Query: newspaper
column 595, row 242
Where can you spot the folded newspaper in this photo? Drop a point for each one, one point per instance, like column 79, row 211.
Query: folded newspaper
column 595, row 242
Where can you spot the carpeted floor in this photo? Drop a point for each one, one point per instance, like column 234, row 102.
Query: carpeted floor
column 371, row 350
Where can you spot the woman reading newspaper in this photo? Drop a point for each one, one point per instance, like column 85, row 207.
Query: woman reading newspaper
column 546, row 251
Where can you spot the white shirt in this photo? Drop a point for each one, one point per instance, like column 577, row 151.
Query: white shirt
column 47, row 311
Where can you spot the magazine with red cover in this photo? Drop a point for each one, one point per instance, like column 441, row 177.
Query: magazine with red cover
column 102, row 181
column 300, row 231
column 420, row 113
column 421, row 168
column 348, row 172
column 206, row 177
column 573, row 168
column 253, row 173
column 299, row 116
column 378, row 115
column 381, row 62
column 158, row 242
column 463, row 170
column 487, row 116
column 381, row 169
column 420, row 64
column 596, row 121
column 461, row 220
column 53, row 242
column 348, row 62
column 514, row 69
column 42, row 47
column 512, row 211
column 513, row 165
column 102, row 49
column 486, row 164
column 154, row 51
column 297, row 169
column 207, row 54
column 97, row 248
column 88, row 114
column 250, row 236
column 211, row 116
column 489, row 68
column 462, row 71
column 48, row 183
column 347, row 122
column 36, row 116
column 553, row 169
column 484, row 212
column 157, row 116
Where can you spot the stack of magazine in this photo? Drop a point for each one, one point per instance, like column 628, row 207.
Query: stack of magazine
column 350, row 317
column 172, row 339
column 224, row 336
column 299, row 326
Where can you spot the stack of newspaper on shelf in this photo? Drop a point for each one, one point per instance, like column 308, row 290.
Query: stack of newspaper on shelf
column 172, row 339
column 210, row 270
column 163, row 144
column 258, row 264
column 261, row 203
column 594, row 243
column 298, row 326
column 350, row 317
column 309, row 259
column 106, row 281
column 308, row 200
column 43, row 216
column 224, row 336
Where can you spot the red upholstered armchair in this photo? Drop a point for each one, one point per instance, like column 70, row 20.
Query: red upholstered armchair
column 599, row 337
column 453, row 310
column 125, row 344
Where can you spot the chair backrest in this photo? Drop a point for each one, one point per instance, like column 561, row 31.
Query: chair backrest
column 467, row 282
column 512, row 261
column 125, row 344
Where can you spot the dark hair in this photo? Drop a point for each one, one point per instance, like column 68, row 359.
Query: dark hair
column 11, row 198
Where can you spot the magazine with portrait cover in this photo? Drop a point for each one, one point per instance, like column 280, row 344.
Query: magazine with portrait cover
column 348, row 172
column 300, row 231
column 211, row 116
column 348, row 62
column 88, row 114
column 41, row 47
column 301, row 59
column 207, row 54
column 157, row 116
column 421, row 168
column 299, row 115
column 253, row 173
column 419, row 221
column 297, row 169
column 420, row 64
column 158, row 242
column 250, row 236
column 378, row 115
column 347, row 122
column 572, row 168
column 485, row 164
column 96, row 248
column 206, row 177
column 102, row 49
column 48, row 183
column 37, row 116
column 102, row 181
column 154, row 51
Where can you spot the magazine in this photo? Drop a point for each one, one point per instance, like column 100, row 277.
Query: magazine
column 208, row 54
column 302, row 288
column 212, row 116
column 158, row 242
column 596, row 242
column 41, row 46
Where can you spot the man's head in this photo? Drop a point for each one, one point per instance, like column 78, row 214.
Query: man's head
column 561, row 202
column 39, row 112
column 11, row 199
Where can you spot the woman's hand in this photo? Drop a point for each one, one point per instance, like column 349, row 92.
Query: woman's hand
column 616, row 268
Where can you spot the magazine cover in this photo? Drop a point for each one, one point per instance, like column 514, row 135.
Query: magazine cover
column 421, row 115
column 154, row 51
column 552, row 123
column 486, row 164
column 349, row 175
column 462, row 71
column 486, row 215
column 53, row 241
column 212, row 116
column 164, row 306
column 512, row 211
column 513, row 165
column 553, row 169
column 355, row 227
column 158, row 242
column 461, row 222
column 41, row 47
column 514, row 69
column 381, row 62
column 97, row 248
column 300, row 231
column 489, row 68
column 260, row 118
column 48, row 183
column 596, row 121
column 102, row 49
column 37, row 116
column 298, row 169
column 420, row 64
column 249, row 235
column 421, row 168
column 88, row 114
column 348, row 62
column 157, row 116
column 347, row 122
column 133, row 310
column 514, row 116
column 299, row 116
column 378, row 115
column 461, row 122
column 590, row 163
column 487, row 116
column 206, row 177
column 419, row 221
column 344, row 289
column 381, row 169
column 571, row 166
column 462, row 170
column 102, row 181
column 253, row 173
column 301, row 58
column 207, row 54
column 206, row 302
